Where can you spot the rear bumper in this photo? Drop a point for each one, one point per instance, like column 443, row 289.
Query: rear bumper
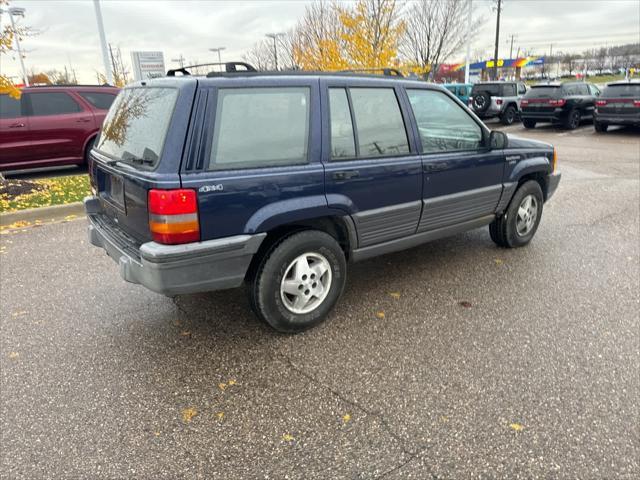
column 175, row 269
column 613, row 119
column 542, row 116
column 552, row 184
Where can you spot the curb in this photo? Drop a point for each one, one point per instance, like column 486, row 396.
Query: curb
column 55, row 212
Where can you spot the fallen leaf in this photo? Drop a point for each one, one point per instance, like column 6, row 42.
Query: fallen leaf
column 287, row 438
column 380, row 314
column 188, row 414
column 346, row 417
column 70, row 217
column 222, row 386
column 231, row 382
column 185, row 333
column 395, row 295
column 19, row 314
column 14, row 355
column 498, row 261
column 157, row 434
column 465, row 304
column 220, row 415
column 516, row 426
column 444, row 418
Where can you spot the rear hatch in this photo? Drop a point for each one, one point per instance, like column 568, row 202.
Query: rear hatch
column 620, row 99
column 542, row 99
column 140, row 148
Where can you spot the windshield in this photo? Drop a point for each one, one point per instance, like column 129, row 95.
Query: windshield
column 621, row 91
column 543, row 92
column 136, row 125
column 494, row 89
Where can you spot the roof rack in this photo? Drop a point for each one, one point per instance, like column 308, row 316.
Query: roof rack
column 69, row 85
column 229, row 67
column 391, row 72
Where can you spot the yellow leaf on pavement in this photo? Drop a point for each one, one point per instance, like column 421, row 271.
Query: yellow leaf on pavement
column 188, row 414
column 346, row 418
column 516, row 427
column 395, row 295
column 220, row 415
column 14, row 355
column 222, row 386
column 380, row 314
column 287, row 437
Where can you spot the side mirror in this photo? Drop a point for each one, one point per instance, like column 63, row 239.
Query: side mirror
column 498, row 140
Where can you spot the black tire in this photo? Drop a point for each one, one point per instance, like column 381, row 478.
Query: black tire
column 264, row 289
column 572, row 120
column 481, row 102
column 87, row 150
column 508, row 116
column 504, row 231
column 600, row 127
column 528, row 123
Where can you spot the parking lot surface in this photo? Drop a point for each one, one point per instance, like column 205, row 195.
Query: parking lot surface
column 455, row 359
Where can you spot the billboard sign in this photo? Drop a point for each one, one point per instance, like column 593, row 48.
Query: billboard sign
column 148, row 65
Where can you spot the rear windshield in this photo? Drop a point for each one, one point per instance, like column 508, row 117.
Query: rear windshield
column 543, row 92
column 494, row 89
column 621, row 91
column 136, row 125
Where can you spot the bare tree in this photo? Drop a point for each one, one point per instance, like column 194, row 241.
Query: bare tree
column 569, row 60
column 260, row 55
column 435, row 30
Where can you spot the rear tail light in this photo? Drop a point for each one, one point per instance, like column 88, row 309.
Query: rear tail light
column 600, row 103
column 524, row 102
column 498, row 101
column 558, row 103
column 173, row 216
column 636, row 103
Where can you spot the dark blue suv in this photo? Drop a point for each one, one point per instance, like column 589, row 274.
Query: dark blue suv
column 278, row 180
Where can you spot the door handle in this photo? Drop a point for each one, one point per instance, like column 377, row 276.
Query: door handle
column 434, row 167
column 83, row 120
column 345, row 174
column 16, row 125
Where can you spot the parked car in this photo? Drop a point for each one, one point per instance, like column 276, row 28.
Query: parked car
column 52, row 125
column 497, row 99
column 566, row 104
column 619, row 104
column 460, row 90
column 278, row 181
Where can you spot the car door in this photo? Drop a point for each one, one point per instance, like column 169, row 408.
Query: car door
column 462, row 181
column 372, row 169
column 59, row 126
column 14, row 133
column 591, row 94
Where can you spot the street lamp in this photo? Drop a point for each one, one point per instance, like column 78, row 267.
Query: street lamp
column 103, row 43
column 275, row 36
column 218, row 49
column 17, row 11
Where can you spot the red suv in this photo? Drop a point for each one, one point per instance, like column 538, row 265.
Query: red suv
column 51, row 125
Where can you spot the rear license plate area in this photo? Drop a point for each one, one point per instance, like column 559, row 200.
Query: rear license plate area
column 111, row 190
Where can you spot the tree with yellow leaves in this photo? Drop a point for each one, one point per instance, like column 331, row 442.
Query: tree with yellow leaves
column 6, row 45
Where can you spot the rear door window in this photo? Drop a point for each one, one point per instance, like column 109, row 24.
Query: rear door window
column 543, row 92
column 631, row 90
column 10, row 107
column 379, row 124
column 509, row 90
column 342, row 139
column 52, row 103
column 494, row 89
column 260, row 127
column 135, row 128
column 101, row 101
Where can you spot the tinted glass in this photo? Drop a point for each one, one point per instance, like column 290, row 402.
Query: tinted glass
column 571, row 90
column 9, row 107
column 463, row 91
column 257, row 127
column 99, row 100
column 593, row 90
column 52, row 103
column 509, row 90
column 621, row 91
column 522, row 89
column 136, row 125
column 583, row 89
column 494, row 89
column 379, row 122
column 444, row 125
column 543, row 92
column 342, row 141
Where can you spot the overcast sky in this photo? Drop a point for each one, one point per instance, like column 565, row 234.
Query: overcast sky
column 69, row 36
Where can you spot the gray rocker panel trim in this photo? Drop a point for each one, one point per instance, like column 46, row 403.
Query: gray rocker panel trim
column 387, row 223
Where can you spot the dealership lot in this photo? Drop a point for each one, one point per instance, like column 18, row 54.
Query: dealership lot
column 451, row 360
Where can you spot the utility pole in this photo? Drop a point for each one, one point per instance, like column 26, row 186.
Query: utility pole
column 495, row 54
column 103, row 43
column 511, row 48
column 468, row 40
column 180, row 60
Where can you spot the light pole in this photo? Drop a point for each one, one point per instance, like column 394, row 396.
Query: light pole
column 468, row 40
column 20, row 13
column 103, row 43
column 275, row 36
column 218, row 49
column 495, row 54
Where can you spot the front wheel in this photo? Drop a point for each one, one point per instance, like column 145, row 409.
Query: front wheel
column 299, row 281
column 509, row 115
column 519, row 223
column 529, row 123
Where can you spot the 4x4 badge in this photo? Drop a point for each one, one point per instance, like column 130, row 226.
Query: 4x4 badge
column 211, row 188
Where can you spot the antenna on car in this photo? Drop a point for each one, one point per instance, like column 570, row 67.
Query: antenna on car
column 229, row 67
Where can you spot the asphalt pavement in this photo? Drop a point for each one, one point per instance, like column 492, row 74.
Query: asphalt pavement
column 453, row 360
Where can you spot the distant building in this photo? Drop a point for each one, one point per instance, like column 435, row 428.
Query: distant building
column 148, row 65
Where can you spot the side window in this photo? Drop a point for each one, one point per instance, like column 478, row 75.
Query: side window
column 260, row 127
column 52, row 103
column 444, row 126
column 464, row 91
column 101, row 101
column 9, row 107
column 381, row 130
column 342, row 141
column 522, row 89
column 594, row 90
column 584, row 89
column 509, row 90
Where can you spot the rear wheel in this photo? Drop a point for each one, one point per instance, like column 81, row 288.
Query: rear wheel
column 299, row 281
column 509, row 115
column 519, row 223
column 600, row 127
column 529, row 123
column 573, row 119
